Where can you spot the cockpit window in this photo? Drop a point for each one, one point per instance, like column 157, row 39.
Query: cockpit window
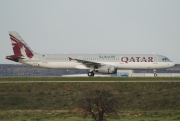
column 165, row 59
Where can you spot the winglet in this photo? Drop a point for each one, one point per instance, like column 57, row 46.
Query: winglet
column 70, row 58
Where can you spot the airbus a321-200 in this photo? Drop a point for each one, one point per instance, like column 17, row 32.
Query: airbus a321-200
column 102, row 63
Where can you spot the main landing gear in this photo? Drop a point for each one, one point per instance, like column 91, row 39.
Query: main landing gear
column 155, row 74
column 90, row 73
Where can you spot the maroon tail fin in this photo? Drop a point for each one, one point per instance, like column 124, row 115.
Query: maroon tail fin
column 20, row 48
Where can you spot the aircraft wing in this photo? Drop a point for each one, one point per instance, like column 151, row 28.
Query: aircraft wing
column 87, row 63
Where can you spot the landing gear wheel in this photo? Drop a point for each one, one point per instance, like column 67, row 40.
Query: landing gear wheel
column 90, row 73
column 155, row 74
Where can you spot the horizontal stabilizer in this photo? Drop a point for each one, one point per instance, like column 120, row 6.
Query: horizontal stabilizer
column 14, row 58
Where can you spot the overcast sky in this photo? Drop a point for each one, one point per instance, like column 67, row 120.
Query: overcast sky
column 93, row 26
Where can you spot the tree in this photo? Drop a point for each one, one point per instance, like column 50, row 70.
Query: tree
column 99, row 103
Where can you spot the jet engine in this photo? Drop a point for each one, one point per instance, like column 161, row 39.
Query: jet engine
column 107, row 69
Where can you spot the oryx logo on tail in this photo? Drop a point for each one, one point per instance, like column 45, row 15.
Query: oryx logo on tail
column 20, row 48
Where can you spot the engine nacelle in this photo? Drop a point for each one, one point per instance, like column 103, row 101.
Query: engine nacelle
column 107, row 69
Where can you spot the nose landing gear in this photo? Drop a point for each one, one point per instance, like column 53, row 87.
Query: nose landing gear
column 90, row 73
column 155, row 74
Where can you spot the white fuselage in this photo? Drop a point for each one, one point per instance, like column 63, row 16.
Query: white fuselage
column 119, row 61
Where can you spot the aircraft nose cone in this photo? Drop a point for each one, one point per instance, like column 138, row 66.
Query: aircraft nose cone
column 172, row 64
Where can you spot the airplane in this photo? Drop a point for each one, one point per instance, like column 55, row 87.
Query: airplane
column 102, row 63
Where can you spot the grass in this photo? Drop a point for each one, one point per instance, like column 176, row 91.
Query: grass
column 56, row 115
column 63, row 96
column 56, row 101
